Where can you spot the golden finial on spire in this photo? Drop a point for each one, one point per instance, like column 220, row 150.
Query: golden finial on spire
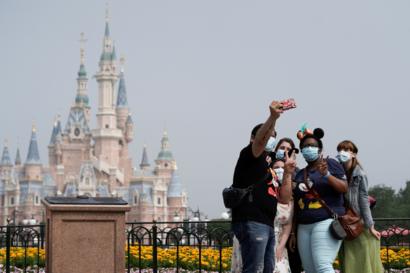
column 33, row 127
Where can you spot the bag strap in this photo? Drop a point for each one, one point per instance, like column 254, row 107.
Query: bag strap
column 332, row 213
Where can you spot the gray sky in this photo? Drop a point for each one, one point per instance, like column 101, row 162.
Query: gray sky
column 207, row 71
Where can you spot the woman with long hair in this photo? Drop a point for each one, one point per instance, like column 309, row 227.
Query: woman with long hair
column 362, row 253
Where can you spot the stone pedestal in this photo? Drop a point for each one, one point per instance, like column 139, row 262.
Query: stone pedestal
column 85, row 235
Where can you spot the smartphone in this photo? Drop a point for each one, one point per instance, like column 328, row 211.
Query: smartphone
column 288, row 104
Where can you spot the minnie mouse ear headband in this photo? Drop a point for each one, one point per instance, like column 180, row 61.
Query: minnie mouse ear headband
column 305, row 133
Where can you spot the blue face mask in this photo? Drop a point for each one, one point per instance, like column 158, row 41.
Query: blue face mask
column 280, row 154
column 310, row 153
column 279, row 172
column 270, row 145
column 343, row 156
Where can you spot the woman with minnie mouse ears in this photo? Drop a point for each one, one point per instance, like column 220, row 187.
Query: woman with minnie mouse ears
column 362, row 253
column 317, row 247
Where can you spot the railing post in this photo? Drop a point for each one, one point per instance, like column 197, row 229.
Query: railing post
column 42, row 235
column 154, row 248
column 8, row 246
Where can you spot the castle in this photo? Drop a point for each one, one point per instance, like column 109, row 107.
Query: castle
column 93, row 162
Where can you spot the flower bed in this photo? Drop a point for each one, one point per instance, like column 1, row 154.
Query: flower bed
column 395, row 258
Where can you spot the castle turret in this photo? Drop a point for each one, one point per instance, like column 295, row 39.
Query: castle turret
column 17, row 161
column 129, row 129
column 144, row 161
column 165, row 162
column 32, row 166
column 122, row 109
column 5, row 157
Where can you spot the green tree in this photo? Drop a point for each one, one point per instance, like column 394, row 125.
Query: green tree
column 403, row 198
column 386, row 206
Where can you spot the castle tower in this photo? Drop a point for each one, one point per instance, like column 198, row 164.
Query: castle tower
column 177, row 205
column 32, row 166
column 5, row 157
column 70, row 146
column 165, row 162
column 7, row 185
column 107, row 136
column 125, row 124
column 122, row 109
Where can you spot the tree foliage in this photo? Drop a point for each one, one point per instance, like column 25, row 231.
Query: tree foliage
column 391, row 204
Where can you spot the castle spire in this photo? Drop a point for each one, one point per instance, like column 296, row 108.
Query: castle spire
column 5, row 158
column 165, row 153
column 144, row 161
column 56, row 130
column 33, row 156
column 122, row 91
column 82, row 99
column 17, row 161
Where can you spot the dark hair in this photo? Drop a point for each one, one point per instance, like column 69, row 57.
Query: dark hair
column 317, row 135
column 285, row 139
column 256, row 128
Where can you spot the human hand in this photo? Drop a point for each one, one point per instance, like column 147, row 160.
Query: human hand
column 322, row 166
column 374, row 232
column 290, row 163
column 275, row 109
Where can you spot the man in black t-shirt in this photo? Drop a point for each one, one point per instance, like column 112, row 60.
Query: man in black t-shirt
column 252, row 220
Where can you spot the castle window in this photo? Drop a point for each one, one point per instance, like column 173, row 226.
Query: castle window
column 159, row 201
column 11, row 200
column 107, row 126
column 136, row 199
column 37, row 200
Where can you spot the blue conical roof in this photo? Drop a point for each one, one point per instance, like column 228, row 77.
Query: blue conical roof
column 33, row 156
column 18, row 158
column 175, row 186
column 5, row 158
column 122, row 92
column 56, row 131
column 107, row 30
column 144, row 160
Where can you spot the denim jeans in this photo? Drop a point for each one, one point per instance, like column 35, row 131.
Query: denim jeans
column 257, row 243
column 317, row 247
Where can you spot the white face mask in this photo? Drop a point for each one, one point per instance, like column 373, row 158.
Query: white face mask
column 344, row 156
column 279, row 172
column 270, row 145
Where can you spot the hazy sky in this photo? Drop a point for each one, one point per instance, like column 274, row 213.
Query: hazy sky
column 207, row 71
